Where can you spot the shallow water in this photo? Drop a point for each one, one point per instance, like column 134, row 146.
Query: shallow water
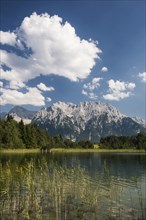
column 115, row 184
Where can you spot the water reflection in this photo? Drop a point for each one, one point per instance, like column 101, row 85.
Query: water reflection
column 117, row 180
column 120, row 164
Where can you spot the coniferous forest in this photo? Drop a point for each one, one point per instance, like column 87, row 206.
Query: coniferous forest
column 124, row 142
column 17, row 135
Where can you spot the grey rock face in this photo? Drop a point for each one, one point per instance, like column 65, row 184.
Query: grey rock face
column 85, row 121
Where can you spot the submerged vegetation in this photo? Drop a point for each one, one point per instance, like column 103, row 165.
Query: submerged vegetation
column 38, row 190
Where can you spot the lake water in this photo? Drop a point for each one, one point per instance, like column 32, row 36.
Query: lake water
column 74, row 186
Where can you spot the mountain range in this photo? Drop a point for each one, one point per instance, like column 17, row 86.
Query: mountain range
column 19, row 113
column 83, row 121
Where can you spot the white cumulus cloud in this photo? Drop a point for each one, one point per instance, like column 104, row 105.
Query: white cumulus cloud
column 142, row 76
column 94, row 84
column 51, row 47
column 89, row 87
column 48, row 99
column 32, row 97
column 10, row 38
column 84, row 92
column 119, row 90
column 1, row 84
column 92, row 95
column 104, row 69
column 14, row 84
column 44, row 88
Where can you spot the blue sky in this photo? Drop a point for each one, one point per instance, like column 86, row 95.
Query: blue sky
column 73, row 51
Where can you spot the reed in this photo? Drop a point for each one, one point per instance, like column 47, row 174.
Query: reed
column 38, row 190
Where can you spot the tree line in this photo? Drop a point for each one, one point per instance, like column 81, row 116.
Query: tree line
column 124, row 142
column 18, row 135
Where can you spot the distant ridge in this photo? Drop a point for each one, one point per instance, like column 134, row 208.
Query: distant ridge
column 18, row 113
column 83, row 121
column 86, row 121
column 140, row 121
column 2, row 115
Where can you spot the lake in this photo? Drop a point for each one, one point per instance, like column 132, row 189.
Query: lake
column 73, row 186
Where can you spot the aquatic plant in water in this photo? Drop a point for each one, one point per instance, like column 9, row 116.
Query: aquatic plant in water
column 38, row 190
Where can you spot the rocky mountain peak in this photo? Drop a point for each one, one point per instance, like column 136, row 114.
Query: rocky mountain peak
column 82, row 121
column 140, row 121
column 20, row 113
column 85, row 120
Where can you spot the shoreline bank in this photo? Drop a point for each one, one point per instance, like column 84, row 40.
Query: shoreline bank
column 72, row 150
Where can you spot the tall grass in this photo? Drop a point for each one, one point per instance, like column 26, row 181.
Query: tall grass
column 19, row 151
column 96, row 149
column 36, row 190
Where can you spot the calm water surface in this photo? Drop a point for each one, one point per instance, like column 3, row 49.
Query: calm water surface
column 121, row 177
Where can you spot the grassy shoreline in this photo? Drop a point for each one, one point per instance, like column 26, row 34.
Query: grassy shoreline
column 71, row 150
column 23, row 151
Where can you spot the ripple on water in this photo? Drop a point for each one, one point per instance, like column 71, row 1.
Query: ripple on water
column 112, row 190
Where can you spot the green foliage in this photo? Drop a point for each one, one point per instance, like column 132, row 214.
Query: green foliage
column 59, row 142
column 10, row 134
column 124, row 142
column 85, row 144
column 17, row 135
